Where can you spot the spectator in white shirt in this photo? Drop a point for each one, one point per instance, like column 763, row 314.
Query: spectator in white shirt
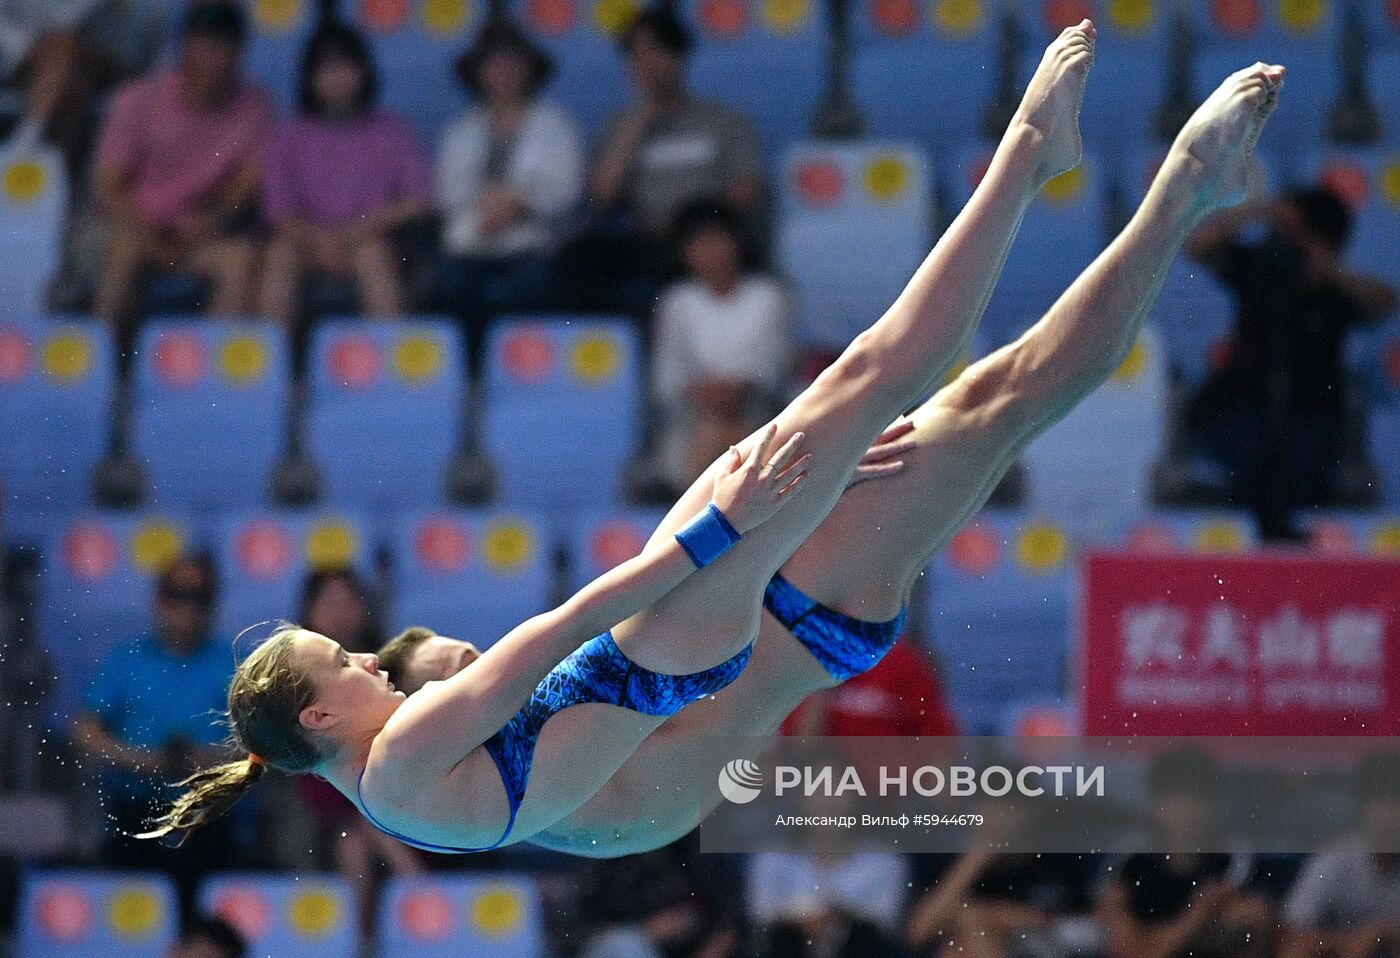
column 509, row 171
column 723, row 346
column 839, row 905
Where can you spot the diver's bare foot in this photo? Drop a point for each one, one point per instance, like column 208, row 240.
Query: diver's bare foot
column 1214, row 150
column 1051, row 105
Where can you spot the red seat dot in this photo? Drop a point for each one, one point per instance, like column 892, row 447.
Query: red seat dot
column 1349, row 181
column 894, row 17
column 354, row 361
column 443, row 546
column 723, row 18
column 1066, row 13
column 1151, row 537
column 975, row 550
column 14, row 355
column 614, row 543
column 528, row 355
column 426, row 915
column 819, row 183
column 1236, row 19
column 179, row 359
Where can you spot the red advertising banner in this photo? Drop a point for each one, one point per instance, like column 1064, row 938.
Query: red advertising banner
column 1268, row 644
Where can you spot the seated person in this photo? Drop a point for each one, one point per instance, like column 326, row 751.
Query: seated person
column 341, row 177
column 177, row 169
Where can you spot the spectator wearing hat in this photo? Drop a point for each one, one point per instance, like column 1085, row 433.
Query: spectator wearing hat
column 151, row 717
column 723, row 344
column 509, row 170
column 664, row 151
column 341, row 177
column 177, row 168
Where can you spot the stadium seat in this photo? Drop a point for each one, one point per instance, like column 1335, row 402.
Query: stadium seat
column 57, row 385
column 88, row 914
column 1354, row 533
column 591, row 79
column 450, row 917
column 1098, row 460
column 1131, row 64
column 1202, row 531
column 1382, row 80
column 1381, row 22
column 596, row 541
column 97, row 588
column 1061, row 234
column 764, row 58
column 210, row 411
column 277, row 35
column 308, row 915
column 33, row 216
column 471, row 575
column 853, row 225
column 386, row 412
column 1370, row 182
column 924, row 72
column 416, row 44
column 563, row 410
column 265, row 557
column 997, row 611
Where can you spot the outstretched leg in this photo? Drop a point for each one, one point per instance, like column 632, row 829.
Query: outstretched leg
column 865, row 556
column 887, row 369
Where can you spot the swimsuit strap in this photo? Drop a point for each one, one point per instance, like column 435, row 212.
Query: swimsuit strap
column 446, row 849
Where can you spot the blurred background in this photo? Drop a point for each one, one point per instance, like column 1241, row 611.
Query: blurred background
column 376, row 313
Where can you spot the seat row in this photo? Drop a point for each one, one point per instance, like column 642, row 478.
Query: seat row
column 102, row 914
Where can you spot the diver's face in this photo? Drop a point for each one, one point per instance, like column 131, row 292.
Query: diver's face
column 436, row 659
column 352, row 692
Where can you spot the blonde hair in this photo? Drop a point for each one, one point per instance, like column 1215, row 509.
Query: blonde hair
column 265, row 699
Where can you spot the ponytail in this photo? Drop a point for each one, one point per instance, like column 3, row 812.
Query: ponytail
column 209, row 793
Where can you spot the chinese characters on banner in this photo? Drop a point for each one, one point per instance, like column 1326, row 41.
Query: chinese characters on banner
column 1240, row 645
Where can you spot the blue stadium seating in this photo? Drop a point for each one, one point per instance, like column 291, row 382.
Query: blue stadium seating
column 997, row 611
column 308, row 915
column 1204, row 531
column 1381, row 21
column 264, row 558
column 416, row 44
column 591, row 79
column 57, row 385
column 97, row 588
column 1061, row 234
column 924, row 72
column 369, row 379
column 1097, row 462
column 854, row 223
column 33, row 216
column 278, row 31
column 563, row 410
column 471, row 575
column 1383, row 79
column 1129, row 79
column 209, row 416
column 83, row 914
column 450, row 917
column 596, row 541
column 763, row 57
column 1354, row 533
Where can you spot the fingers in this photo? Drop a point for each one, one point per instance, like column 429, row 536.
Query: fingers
column 889, row 450
column 781, row 476
column 782, row 455
column 733, row 459
column 901, row 428
column 759, row 453
column 793, row 486
column 881, row 470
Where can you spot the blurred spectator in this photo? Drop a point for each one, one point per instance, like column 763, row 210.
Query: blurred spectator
column 177, row 168
column 1274, row 414
column 998, row 905
column 43, row 50
column 1346, row 900
column 669, row 903
column 723, row 344
column 1185, row 903
column 340, row 178
column 151, row 718
column 508, row 171
column 667, row 149
column 337, row 604
column 900, row 696
column 841, row 906
column 208, row 938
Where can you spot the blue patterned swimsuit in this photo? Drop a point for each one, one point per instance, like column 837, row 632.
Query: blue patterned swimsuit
column 844, row 646
column 596, row 671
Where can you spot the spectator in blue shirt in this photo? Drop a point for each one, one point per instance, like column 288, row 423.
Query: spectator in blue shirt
column 151, row 718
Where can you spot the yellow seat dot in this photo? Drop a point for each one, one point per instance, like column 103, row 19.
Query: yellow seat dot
column 1385, row 541
column 276, row 16
column 1390, row 182
column 25, row 181
column 1301, row 16
column 786, row 16
column 612, row 16
column 313, row 914
column 508, row 546
column 1064, row 189
column 67, row 358
column 595, row 360
column 134, row 913
column 417, row 359
column 242, row 360
column 496, row 912
column 957, row 18
column 1042, row 548
column 886, row 178
column 445, row 17
column 331, row 545
column 155, row 546
column 1132, row 365
column 1132, row 16
column 1219, row 536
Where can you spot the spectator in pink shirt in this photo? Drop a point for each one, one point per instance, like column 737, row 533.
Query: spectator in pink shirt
column 177, row 168
column 341, row 177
